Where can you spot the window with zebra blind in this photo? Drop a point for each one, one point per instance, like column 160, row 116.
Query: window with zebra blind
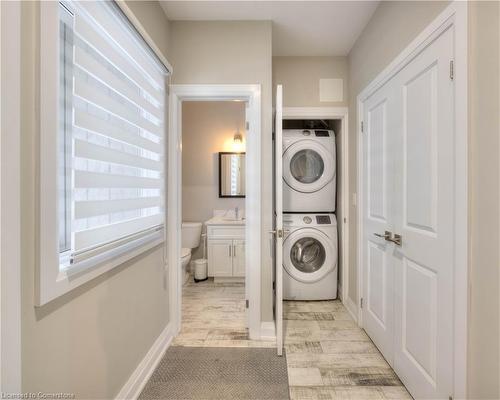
column 106, row 147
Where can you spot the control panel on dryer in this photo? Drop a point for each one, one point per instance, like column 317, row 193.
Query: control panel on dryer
column 323, row 220
column 306, row 133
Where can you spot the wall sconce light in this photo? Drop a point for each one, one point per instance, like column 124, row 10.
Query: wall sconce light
column 238, row 142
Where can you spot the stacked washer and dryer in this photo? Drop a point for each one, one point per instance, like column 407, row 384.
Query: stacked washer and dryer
column 309, row 191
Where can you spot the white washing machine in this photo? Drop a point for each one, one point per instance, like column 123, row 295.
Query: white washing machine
column 310, row 257
column 309, row 170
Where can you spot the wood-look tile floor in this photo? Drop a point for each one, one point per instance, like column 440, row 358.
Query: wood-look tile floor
column 328, row 355
column 213, row 315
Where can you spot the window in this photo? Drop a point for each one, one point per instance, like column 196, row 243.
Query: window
column 109, row 139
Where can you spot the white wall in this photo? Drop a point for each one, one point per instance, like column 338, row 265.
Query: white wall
column 208, row 127
column 300, row 79
column 484, row 182
column 155, row 23
column 90, row 340
column 233, row 53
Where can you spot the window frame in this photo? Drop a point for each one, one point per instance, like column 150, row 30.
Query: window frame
column 66, row 146
column 52, row 280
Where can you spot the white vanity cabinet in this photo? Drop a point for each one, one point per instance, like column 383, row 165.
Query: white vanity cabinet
column 239, row 258
column 226, row 249
column 220, row 257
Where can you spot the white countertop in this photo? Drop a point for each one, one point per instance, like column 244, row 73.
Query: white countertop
column 221, row 220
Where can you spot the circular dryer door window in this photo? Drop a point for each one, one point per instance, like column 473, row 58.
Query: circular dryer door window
column 308, row 255
column 308, row 166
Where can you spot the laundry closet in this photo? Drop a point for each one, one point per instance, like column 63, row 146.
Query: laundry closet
column 311, row 205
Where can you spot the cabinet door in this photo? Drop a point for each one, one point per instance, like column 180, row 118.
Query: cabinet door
column 238, row 258
column 220, row 257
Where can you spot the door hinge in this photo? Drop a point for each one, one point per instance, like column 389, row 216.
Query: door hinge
column 452, row 70
column 361, row 302
column 247, row 303
column 274, row 285
column 247, row 125
column 345, row 220
column 362, row 127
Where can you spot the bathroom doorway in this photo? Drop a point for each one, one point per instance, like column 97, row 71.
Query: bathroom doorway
column 232, row 228
column 213, row 243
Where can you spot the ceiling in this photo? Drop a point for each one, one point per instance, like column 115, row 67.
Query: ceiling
column 300, row 28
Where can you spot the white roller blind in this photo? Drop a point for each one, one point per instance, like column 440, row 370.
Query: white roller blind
column 117, row 131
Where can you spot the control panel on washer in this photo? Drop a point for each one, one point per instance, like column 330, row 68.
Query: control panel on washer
column 308, row 219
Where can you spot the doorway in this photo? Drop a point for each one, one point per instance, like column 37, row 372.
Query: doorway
column 250, row 95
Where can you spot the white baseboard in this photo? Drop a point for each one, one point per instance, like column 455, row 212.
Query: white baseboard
column 267, row 331
column 352, row 308
column 133, row 387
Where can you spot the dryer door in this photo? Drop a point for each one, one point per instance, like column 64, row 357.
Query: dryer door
column 308, row 166
column 309, row 255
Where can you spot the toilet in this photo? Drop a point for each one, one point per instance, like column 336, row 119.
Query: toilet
column 191, row 233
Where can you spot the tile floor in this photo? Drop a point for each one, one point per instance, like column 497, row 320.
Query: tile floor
column 328, row 356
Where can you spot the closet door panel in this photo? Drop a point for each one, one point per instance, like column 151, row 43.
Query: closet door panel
column 378, row 319
column 423, row 215
column 420, row 151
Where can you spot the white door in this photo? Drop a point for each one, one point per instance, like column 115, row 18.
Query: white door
column 278, row 227
column 221, row 256
column 238, row 258
column 408, row 175
column 247, row 226
column 378, row 272
column 423, row 216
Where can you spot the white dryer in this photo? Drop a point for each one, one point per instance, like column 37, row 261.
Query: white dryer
column 309, row 170
column 310, row 257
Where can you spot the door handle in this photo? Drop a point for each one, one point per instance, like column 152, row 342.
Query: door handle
column 396, row 239
column 387, row 235
column 229, row 248
column 278, row 232
column 390, row 237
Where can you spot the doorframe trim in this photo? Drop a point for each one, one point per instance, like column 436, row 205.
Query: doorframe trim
column 454, row 16
column 342, row 114
column 200, row 92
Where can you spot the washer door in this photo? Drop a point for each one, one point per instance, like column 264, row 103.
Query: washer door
column 308, row 255
column 307, row 166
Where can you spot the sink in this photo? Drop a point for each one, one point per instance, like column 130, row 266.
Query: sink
column 232, row 219
column 225, row 220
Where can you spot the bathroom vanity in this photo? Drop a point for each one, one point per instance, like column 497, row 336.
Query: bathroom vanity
column 226, row 248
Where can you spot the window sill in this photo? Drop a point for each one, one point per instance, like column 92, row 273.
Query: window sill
column 84, row 271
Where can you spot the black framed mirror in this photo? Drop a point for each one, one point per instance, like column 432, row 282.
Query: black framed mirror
column 231, row 174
